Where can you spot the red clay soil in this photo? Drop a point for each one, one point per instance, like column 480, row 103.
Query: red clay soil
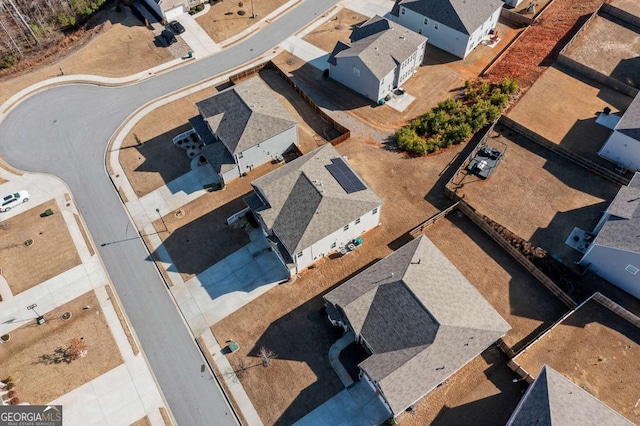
column 538, row 47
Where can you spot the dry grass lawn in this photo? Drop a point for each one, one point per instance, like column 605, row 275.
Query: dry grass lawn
column 538, row 194
column 200, row 236
column 39, row 381
column 607, row 365
column 52, row 251
column 562, row 107
column 123, row 47
column 336, row 29
column 287, row 319
column 223, row 20
column 514, row 293
column 482, row 389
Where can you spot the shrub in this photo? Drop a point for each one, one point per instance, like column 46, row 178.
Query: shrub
column 408, row 140
column 14, row 401
column 457, row 134
column 509, row 86
column 11, row 393
column 498, row 98
column 9, row 379
column 10, row 385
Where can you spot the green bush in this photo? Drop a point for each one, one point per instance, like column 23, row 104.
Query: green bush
column 453, row 121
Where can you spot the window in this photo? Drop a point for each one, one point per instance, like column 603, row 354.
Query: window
column 419, row 30
column 356, row 72
column 357, row 221
column 402, row 10
column 374, row 211
column 436, row 26
column 333, row 245
column 346, row 228
column 240, row 155
column 632, row 269
column 426, row 21
column 299, row 254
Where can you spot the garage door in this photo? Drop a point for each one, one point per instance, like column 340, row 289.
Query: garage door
column 172, row 14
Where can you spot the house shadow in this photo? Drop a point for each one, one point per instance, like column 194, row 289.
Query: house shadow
column 436, row 56
column 202, row 242
column 552, row 238
column 326, row 92
column 160, row 155
column 628, row 70
column 305, row 335
column 585, row 138
column 503, row 395
column 560, row 44
column 593, row 312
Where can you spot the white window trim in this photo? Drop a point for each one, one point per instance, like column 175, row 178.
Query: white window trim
column 632, row 269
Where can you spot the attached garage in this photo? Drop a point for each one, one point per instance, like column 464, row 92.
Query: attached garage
column 173, row 13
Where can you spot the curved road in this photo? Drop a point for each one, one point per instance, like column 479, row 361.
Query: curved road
column 63, row 131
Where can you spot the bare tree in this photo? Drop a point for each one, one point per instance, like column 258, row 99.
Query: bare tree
column 266, row 356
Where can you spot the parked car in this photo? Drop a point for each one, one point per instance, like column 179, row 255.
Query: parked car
column 168, row 37
column 177, row 27
column 14, row 199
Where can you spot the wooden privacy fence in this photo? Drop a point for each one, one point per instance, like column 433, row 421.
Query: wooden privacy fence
column 415, row 232
column 579, row 160
column 526, row 263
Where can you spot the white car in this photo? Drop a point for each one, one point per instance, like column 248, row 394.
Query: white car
column 14, row 199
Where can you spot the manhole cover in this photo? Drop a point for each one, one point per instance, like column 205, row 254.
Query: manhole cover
column 28, row 242
column 66, row 316
column 178, row 214
column 5, row 337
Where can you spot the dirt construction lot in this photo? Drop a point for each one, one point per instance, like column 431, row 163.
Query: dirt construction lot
column 611, row 47
column 562, row 107
column 514, row 293
column 30, row 356
column 301, row 377
column 52, row 246
column 228, row 18
column 123, row 47
column 538, row 195
column 607, row 368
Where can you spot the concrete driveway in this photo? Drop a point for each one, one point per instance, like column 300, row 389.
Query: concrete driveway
column 196, row 37
column 230, row 284
column 355, row 406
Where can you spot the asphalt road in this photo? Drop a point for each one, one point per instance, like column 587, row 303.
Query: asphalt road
column 64, row 131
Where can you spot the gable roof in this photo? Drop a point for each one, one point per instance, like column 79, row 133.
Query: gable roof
column 464, row 16
column 305, row 203
column 380, row 44
column 620, row 231
column 629, row 124
column 552, row 399
column 245, row 115
column 421, row 318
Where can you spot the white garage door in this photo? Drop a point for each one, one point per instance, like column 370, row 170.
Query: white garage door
column 172, row 14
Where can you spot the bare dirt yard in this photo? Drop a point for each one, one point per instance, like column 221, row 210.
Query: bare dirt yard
column 336, row 29
column 605, row 365
column 611, row 47
column 482, row 389
column 155, row 161
column 52, row 250
column 512, row 291
column 288, row 318
column 225, row 19
column 538, row 195
column 538, row 47
column 40, row 370
column 562, row 106
column 121, row 47
column 198, row 234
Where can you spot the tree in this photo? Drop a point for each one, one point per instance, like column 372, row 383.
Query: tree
column 266, row 356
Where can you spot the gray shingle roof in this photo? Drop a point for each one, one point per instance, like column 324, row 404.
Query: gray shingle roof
column 421, row 317
column 380, row 44
column 622, row 229
column 245, row 115
column 464, row 16
column 306, row 203
column 552, row 399
column 629, row 124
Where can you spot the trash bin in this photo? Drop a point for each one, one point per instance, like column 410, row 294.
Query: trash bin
column 47, row 212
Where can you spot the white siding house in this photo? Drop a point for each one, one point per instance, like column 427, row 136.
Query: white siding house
column 169, row 10
column 623, row 146
column 455, row 26
column 614, row 253
column 244, row 127
column 381, row 57
column 312, row 207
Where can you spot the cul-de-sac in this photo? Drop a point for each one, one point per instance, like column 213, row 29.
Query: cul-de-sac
column 319, row 212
